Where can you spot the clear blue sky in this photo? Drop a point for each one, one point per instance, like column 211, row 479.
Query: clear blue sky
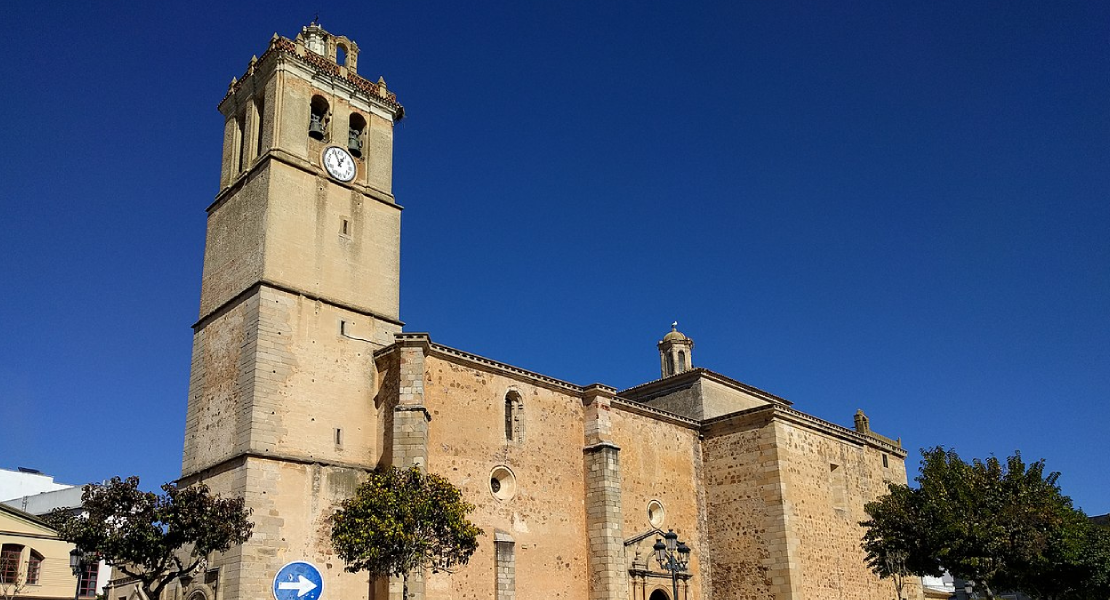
column 895, row 207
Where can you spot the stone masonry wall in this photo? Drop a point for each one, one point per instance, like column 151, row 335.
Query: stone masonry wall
column 546, row 515
column 827, row 480
column 608, row 569
column 307, row 250
column 291, row 504
column 234, row 245
column 746, row 530
column 659, row 462
column 313, row 381
column 222, row 365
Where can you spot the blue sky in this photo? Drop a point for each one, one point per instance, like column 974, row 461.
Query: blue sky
column 875, row 205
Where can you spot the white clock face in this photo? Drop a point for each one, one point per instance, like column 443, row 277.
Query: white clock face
column 339, row 163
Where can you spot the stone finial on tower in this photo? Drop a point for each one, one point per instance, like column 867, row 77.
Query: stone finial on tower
column 863, row 424
column 675, row 352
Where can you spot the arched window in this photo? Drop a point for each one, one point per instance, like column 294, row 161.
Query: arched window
column 318, row 119
column 514, row 417
column 10, row 557
column 356, row 127
column 670, row 365
column 34, row 568
column 681, row 361
column 341, row 54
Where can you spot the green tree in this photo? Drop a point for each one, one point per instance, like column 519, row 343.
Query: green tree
column 400, row 521
column 994, row 523
column 1076, row 565
column 894, row 546
column 154, row 538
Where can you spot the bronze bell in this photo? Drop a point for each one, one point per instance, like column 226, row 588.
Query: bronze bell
column 354, row 142
column 316, row 127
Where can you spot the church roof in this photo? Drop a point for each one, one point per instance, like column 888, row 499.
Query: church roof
column 652, row 388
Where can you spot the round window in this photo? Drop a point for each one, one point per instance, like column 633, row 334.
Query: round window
column 502, row 483
column 655, row 513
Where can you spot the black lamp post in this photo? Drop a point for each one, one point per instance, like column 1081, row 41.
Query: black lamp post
column 77, row 565
column 673, row 556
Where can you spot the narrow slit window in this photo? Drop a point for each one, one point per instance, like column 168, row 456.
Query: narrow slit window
column 514, row 418
column 259, row 111
column 345, row 227
column 838, row 487
column 338, row 436
column 240, row 147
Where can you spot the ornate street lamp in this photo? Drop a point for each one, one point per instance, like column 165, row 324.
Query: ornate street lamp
column 77, row 565
column 673, row 556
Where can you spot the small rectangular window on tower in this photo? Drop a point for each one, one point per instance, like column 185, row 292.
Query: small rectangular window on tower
column 345, row 227
column 885, row 463
column 338, row 436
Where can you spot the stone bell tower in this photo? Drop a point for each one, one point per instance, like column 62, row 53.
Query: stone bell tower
column 300, row 287
column 674, row 352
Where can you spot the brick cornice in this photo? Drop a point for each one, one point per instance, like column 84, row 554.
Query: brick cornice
column 284, row 48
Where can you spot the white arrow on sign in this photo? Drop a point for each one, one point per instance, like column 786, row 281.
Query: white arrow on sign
column 302, row 585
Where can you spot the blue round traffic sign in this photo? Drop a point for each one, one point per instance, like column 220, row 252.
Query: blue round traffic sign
column 298, row 580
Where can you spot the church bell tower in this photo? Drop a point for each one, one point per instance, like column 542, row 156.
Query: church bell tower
column 300, row 287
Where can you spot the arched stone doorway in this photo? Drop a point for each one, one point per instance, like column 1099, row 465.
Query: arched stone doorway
column 659, row 595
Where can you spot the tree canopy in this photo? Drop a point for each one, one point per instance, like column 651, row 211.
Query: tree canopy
column 402, row 520
column 1005, row 526
column 154, row 538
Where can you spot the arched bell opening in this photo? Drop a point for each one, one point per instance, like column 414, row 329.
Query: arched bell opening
column 356, row 130
column 318, row 119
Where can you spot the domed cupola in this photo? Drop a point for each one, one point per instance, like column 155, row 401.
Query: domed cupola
column 675, row 352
